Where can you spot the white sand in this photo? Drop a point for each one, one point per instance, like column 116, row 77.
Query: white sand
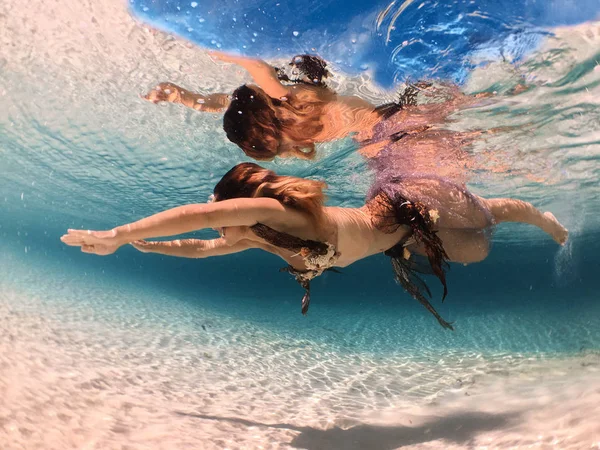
column 84, row 364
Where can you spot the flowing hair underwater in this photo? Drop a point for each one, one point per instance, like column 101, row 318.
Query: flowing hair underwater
column 390, row 209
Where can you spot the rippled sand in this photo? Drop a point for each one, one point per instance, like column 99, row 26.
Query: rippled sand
column 125, row 366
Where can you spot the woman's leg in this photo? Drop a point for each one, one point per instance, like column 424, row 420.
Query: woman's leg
column 511, row 210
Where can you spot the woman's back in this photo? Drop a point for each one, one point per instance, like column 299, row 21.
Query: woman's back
column 349, row 231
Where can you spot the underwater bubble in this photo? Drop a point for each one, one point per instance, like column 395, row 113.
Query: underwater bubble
column 295, row 33
column 194, row 4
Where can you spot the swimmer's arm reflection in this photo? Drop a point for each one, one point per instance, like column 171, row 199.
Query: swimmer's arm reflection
column 192, row 248
column 264, row 74
column 170, row 92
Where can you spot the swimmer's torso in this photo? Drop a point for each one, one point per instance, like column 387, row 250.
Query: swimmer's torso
column 349, row 230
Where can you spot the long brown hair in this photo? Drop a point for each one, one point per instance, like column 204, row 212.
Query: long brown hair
column 263, row 126
column 390, row 209
column 249, row 180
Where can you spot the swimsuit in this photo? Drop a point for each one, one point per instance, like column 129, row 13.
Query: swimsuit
column 318, row 256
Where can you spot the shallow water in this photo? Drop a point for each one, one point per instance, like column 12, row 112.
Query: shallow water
column 143, row 351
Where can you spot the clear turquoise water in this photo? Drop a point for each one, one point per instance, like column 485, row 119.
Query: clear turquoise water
column 108, row 352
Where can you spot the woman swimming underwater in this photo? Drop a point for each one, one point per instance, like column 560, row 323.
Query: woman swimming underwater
column 406, row 217
column 279, row 116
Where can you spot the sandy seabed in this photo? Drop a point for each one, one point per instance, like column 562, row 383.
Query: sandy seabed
column 128, row 368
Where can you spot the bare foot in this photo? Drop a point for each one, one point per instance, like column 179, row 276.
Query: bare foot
column 553, row 227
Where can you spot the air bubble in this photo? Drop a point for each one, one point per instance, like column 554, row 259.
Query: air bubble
column 194, row 4
column 295, row 33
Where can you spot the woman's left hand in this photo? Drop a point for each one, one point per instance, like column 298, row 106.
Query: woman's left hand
column 96, row 242
column 145, row 246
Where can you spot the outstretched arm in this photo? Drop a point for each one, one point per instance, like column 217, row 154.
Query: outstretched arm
column 264, row 74
column 184, row 219
column 192, row 248
column 169, row 92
